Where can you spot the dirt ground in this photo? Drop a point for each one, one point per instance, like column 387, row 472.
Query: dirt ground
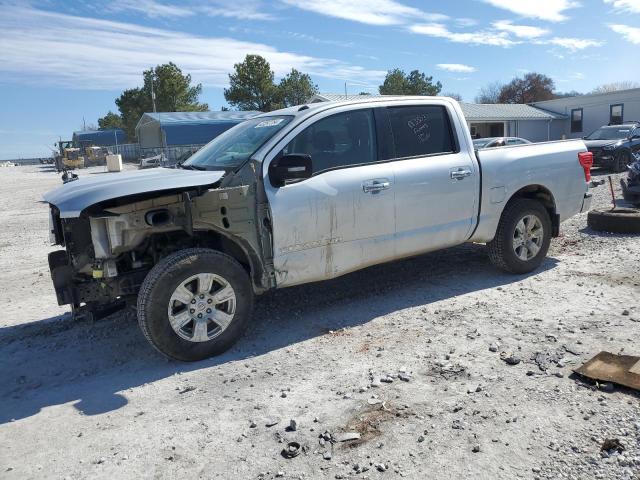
column 408, row 355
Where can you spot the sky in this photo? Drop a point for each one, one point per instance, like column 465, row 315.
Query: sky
column 63, row 63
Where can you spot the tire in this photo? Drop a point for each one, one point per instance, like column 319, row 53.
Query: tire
column 619, row 220
column 620, row 162
column 502, row 250
column 184, row 273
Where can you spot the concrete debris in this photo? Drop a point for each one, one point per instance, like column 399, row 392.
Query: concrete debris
column 345, row 436
column 510, row 358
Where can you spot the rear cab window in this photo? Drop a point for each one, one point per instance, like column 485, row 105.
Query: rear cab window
column 421, row 130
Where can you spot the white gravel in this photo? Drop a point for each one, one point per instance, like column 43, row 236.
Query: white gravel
column 80, row 400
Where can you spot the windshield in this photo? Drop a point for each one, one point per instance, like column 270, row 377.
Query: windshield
column 481, row 142
column 233, row 147
column 609, row 133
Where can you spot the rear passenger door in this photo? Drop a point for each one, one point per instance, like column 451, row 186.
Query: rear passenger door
column 437, row 184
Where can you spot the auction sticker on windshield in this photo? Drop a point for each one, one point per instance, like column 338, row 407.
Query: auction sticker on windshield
column 270, row 123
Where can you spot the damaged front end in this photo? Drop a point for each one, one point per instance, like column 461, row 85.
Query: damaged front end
column 112, row 244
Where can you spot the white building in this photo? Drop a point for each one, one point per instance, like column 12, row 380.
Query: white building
column 570, row 117
column 585, row 113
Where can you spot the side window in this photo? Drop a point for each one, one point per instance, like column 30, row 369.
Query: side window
column 616, row 113
column 421, row 130
column 339, row 140
column 576, row 120
column 514, row 141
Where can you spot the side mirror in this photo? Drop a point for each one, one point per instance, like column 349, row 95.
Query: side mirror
column 290, row 169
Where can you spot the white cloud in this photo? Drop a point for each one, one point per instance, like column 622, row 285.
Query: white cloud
column 631, row 6
column 50, row 48
column 573, row 44
column 500, row 39
column 373, row 12
column 456, row 67
column 631, row 34
column 521, row 31
column 150, row 8
column 551, row 10
column 241, row 9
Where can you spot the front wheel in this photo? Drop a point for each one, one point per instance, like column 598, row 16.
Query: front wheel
column 523, row 237
column 620, row 162
column 193, row 304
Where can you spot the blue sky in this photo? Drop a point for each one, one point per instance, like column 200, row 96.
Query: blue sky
column 62, row 61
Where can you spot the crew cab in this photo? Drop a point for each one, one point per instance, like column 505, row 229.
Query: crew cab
column 301, row 195
column 613, row 146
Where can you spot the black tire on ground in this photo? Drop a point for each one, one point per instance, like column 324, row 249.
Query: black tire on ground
column 619, row 220
column 620, row 162
column 501, row 250
column 161, row 282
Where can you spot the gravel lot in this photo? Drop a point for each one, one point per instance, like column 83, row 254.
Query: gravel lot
column 409, row 355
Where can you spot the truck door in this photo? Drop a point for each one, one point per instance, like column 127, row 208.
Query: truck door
column 342, row 218
column 437, row 183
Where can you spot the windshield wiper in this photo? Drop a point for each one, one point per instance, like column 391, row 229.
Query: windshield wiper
column 189, row 167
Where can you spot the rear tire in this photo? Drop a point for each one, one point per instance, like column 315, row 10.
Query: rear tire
column 194, row 304
column 620, row 220
column 523, row 237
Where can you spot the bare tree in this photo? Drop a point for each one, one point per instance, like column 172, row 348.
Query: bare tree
column 616, row 86
column 533, row 87
column 489, row 93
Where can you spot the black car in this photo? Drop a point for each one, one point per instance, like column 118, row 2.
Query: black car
column 612, row 145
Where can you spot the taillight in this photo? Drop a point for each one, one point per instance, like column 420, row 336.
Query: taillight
column 586, row 160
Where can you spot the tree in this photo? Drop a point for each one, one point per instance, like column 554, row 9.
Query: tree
column 251, row 85
column 173, row 93
column 455, row 96
column 533, row 87
column 296, row 88
column 109, row 121
column 489, row 93
column 416, row 83
column 616, row 86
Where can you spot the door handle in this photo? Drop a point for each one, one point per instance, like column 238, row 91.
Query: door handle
column 376, row 185
column 460, row 173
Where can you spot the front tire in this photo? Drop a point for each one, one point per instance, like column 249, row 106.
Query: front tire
column 523, row 237
column 620, row 162
column 194, row 304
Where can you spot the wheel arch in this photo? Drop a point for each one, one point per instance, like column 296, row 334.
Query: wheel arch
column 231, row 245
column 543, row 195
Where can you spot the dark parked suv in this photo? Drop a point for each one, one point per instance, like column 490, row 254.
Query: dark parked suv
column 612, row 145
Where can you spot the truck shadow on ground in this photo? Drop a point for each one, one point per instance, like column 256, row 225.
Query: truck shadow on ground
column 57, row 361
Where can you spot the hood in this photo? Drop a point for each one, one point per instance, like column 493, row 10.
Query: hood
column 73, row 197
column 600, row 143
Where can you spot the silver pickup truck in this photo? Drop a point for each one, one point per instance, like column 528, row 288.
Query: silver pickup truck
column 300, row 195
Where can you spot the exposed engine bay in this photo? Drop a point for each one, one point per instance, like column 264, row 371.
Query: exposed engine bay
column 112, row 245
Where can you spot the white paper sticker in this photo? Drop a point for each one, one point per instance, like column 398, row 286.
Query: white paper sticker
column 270, row 123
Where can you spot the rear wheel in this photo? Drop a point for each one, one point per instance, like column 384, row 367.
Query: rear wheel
column 194, row 303
column 523, row 237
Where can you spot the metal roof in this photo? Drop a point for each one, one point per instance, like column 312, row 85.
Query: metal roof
column 505, row 112
column 166, row 118
column 336, row 97
column 100, row 138
column 499, row 112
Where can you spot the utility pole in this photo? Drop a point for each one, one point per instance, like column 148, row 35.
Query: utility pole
column 345, row 90
column 153, row 93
